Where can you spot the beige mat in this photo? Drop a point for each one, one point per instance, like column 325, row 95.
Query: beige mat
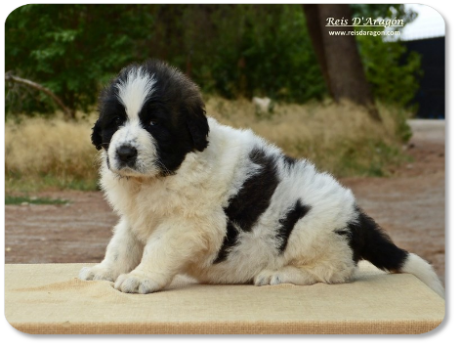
column 49, row 299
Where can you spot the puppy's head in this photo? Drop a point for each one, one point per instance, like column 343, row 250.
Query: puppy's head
column 151, row 116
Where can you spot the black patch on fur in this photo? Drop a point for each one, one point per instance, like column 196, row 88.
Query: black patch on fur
column 197, row 126
column 230, row 240
column 177, row 112
column 369, row 242
column 112, row 115
column 96, row 137
column 294, row 214
column 253, row 199
column 289, row 161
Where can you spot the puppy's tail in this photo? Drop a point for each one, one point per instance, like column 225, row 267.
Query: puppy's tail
column 369, row 242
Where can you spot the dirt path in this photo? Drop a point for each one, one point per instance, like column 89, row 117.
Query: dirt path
column 410, row 206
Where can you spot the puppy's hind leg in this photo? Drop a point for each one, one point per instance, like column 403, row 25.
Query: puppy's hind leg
column 304, row 275
column 287, row 274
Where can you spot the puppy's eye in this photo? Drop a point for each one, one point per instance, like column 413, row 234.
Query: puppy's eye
column 152, row 123
column 118, row 120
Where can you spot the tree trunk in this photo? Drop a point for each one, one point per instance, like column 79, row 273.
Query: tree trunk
column 338, row 56
column 314, row 30
column 69, row 113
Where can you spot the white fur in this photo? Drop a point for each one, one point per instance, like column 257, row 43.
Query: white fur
column 177, row 224
column 133, row 134
column 132, row 94
column 134, row 91
column 180, row 222
column 422, row 270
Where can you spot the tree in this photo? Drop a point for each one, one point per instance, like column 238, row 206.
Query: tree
column 70, row 114
column 338, row 56
column 73, row 49
column 230, row 50
column 392, row 71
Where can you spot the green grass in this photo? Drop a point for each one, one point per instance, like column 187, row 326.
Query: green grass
column 17, row 200
column 378, row 159
column 25, row 184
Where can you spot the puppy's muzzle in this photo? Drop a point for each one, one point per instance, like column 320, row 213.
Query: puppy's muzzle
column 127, row 156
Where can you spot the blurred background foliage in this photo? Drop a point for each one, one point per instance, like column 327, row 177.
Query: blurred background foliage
column 231, row 51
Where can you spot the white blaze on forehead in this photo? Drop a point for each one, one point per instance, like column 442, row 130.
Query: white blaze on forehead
column 133, row 92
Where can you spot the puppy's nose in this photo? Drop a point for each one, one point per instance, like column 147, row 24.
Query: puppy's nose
column 127, row 154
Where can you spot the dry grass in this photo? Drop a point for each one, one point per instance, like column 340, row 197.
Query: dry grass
column 40, row 153
column 342, row 139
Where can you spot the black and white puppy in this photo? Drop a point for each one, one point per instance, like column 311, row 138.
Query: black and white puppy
column 217, row 203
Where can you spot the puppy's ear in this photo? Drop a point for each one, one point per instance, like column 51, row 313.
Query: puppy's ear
column 96, row 138
column 197, row 125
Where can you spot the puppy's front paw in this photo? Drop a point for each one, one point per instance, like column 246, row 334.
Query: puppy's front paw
column 138, row 282
column 97, row 272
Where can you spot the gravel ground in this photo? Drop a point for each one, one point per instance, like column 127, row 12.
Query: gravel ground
column 409, row 205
